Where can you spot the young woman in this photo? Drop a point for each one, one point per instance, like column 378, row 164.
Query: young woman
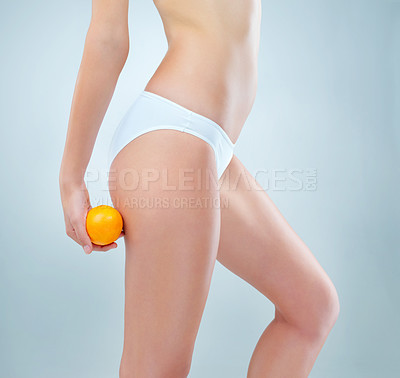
column 174, row 148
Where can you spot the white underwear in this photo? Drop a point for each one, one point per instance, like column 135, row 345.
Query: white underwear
column 151, row 112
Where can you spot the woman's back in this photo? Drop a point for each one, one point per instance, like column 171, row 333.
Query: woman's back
column 211, row 63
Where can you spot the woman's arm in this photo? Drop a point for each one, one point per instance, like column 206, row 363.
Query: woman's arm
column 105, row 52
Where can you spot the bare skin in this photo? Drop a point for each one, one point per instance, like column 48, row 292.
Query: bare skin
column 211, row 63
column 210, row 68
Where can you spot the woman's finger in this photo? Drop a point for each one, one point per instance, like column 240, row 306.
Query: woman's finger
column 70, row 231
column 83, row 237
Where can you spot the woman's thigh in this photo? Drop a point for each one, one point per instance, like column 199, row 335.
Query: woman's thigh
column 159, row 185
column 257, row 244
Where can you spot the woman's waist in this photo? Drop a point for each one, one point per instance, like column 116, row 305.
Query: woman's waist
column 219, row 85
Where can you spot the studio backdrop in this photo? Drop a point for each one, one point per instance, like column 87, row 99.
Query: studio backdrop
column 322, row 139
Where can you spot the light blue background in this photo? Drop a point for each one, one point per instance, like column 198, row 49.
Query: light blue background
column 328, row 98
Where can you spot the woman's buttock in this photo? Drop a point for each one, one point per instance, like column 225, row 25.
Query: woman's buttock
column 211, row 63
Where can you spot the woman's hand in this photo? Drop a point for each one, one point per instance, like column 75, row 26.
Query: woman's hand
column 76, row 204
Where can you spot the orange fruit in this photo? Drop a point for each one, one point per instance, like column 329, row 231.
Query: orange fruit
column 103, row 224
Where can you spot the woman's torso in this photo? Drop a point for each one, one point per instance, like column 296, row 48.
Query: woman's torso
column 211, row 63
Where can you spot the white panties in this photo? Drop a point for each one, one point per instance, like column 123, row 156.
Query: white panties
column 151, row 112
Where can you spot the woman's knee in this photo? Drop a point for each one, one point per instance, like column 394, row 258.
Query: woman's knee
column 324, row 311
column 315, row 311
